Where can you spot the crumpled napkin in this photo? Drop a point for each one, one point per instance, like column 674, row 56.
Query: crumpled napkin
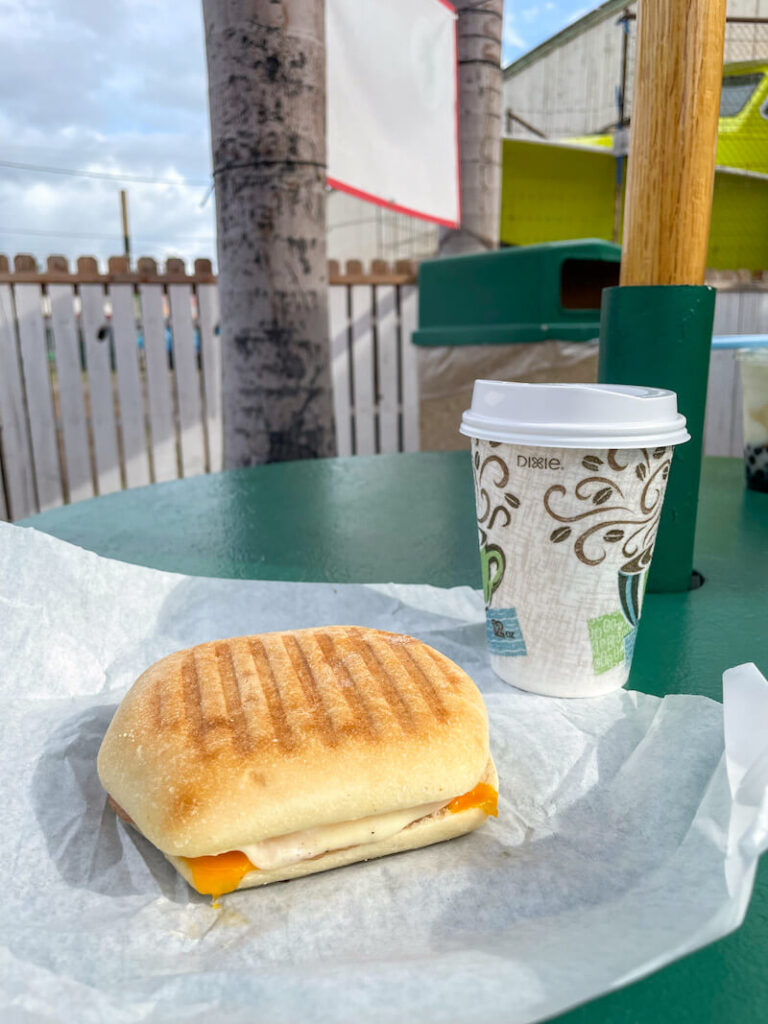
column 628, row 833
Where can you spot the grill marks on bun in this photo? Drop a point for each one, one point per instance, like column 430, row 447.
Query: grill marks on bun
column 242, row 684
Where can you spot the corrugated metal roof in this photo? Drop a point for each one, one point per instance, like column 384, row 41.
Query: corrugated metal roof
column 569, row 32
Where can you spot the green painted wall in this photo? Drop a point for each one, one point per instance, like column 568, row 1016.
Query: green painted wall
column 553, row 192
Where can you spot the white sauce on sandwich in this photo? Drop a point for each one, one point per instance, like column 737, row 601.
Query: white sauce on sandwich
column 294, row 847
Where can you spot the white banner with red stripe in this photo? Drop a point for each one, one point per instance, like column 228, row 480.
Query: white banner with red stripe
column 392, row 132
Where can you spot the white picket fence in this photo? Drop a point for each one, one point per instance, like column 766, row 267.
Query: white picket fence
column 113, row 380
column 373, row 364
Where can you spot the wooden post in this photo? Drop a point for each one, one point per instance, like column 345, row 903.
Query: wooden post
column 124, row 219
column 480, row 128
column 676, row 104
column 658, row 331
column 266, row 78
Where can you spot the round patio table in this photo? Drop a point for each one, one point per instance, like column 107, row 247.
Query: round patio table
column 411, row 519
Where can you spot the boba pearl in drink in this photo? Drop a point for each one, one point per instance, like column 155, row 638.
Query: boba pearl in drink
column 569, row 485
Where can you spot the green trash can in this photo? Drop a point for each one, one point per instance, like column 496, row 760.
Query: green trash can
column 530, row 313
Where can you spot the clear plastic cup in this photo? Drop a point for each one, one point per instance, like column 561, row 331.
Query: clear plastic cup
column 754, row 389
column 569, row 484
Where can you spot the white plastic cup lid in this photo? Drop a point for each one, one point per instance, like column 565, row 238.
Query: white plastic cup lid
column 574, row 415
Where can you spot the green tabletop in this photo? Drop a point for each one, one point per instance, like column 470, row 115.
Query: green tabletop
column 410, row 519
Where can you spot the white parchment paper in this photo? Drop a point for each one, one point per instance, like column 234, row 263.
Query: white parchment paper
column 627, row 835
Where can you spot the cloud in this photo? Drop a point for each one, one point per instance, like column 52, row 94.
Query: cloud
column 577, row 14
column 511, row 38
column 120, row 86
column 112, row 85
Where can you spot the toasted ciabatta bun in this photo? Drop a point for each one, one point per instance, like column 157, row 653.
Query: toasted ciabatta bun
column 236, row 741
column 435, row 828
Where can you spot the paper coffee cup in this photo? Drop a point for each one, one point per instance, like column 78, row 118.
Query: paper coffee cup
column 569, row 484
column 754, row 390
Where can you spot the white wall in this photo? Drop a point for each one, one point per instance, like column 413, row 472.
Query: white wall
column 358, row 230
column 572, row 89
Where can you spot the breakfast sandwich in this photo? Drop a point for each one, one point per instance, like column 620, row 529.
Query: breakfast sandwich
column 264, row 758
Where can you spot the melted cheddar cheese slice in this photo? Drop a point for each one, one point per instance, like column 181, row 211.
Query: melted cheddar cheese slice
column 223, row 872
column 482, row 796
column 213, row 876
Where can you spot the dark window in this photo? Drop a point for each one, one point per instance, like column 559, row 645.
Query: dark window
column 582, row 282
column 736, row 91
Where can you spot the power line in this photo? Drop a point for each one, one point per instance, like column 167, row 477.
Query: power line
column 106, row 238
column 105, row 176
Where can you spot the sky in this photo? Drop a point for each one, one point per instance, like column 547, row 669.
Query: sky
column 529, row 22
column 118, row 87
